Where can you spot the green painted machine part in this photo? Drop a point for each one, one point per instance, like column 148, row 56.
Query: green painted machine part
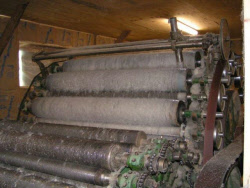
column 128, row 178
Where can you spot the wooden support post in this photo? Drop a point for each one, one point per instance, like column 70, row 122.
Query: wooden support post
column 123, row 36
column 11, row 26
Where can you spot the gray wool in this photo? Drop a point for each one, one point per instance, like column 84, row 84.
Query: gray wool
column 165, row 59
column 167, row 80
column 153, row 112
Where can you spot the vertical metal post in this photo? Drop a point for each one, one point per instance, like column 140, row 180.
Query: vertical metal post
column 173, row 24
column 174, row 37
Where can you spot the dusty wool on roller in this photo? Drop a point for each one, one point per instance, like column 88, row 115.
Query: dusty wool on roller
column 149, row 130
column 153, row 112
column 167, row 80
column 128, row 94
column 131, row 61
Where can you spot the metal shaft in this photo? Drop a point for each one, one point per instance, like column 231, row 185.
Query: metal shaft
column 173, row 24
column 120, row 48
column 90, row 133
column 62, row 169
column 87, row 152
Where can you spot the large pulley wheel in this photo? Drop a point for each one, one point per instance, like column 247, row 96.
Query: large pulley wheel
column 225, row 42
column 232, row 116
column 220, row 100
column 233, row 178
column 218, row 135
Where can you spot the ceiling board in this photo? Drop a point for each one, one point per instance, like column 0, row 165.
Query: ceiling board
column 143, row 17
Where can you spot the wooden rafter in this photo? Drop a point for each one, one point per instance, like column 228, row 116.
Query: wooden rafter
column 11, row 26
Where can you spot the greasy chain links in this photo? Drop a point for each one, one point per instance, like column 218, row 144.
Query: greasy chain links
column 164, row 149
column 141, row 180
column 151, row 160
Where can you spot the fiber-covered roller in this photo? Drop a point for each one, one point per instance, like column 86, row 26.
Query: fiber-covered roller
column 149, row 130
column 162, row 80
column 92, row 133
column 132, row 61
column 153, row 112
column 86, row 152
column 127, row 94
column 11, row 177
column 57, row 168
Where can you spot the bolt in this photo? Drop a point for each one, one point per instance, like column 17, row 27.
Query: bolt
column 126, row 176
column 225, row 97
column 133, row 160
column 220, row 134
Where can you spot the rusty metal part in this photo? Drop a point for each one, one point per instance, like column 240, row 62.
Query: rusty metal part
column 89, row 133
column 216, row 169
column 211, row 112
column 224, row 39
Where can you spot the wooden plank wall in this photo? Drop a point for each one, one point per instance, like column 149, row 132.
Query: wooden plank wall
column 10, row 92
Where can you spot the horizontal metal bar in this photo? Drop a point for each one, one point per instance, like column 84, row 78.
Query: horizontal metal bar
column 119, row 48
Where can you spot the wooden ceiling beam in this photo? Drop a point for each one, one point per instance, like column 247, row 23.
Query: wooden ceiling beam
column 11, row 26
column 123, row 36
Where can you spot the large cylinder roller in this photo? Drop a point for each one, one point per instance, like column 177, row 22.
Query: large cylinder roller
column 132, row 61
column 92, row 133
column 153, row 112
column 162, row 80
column 62, row 169
column 87, row 152
column 11, row 177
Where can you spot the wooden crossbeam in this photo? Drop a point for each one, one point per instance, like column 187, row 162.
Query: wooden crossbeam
column 123, row 36
column 11, row 26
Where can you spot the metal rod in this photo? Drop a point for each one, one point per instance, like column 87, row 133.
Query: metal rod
column 179, row 56
column 175, row 37
column 173, row 24
column 89, row 133
column 62, row 169
column 121, row 48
